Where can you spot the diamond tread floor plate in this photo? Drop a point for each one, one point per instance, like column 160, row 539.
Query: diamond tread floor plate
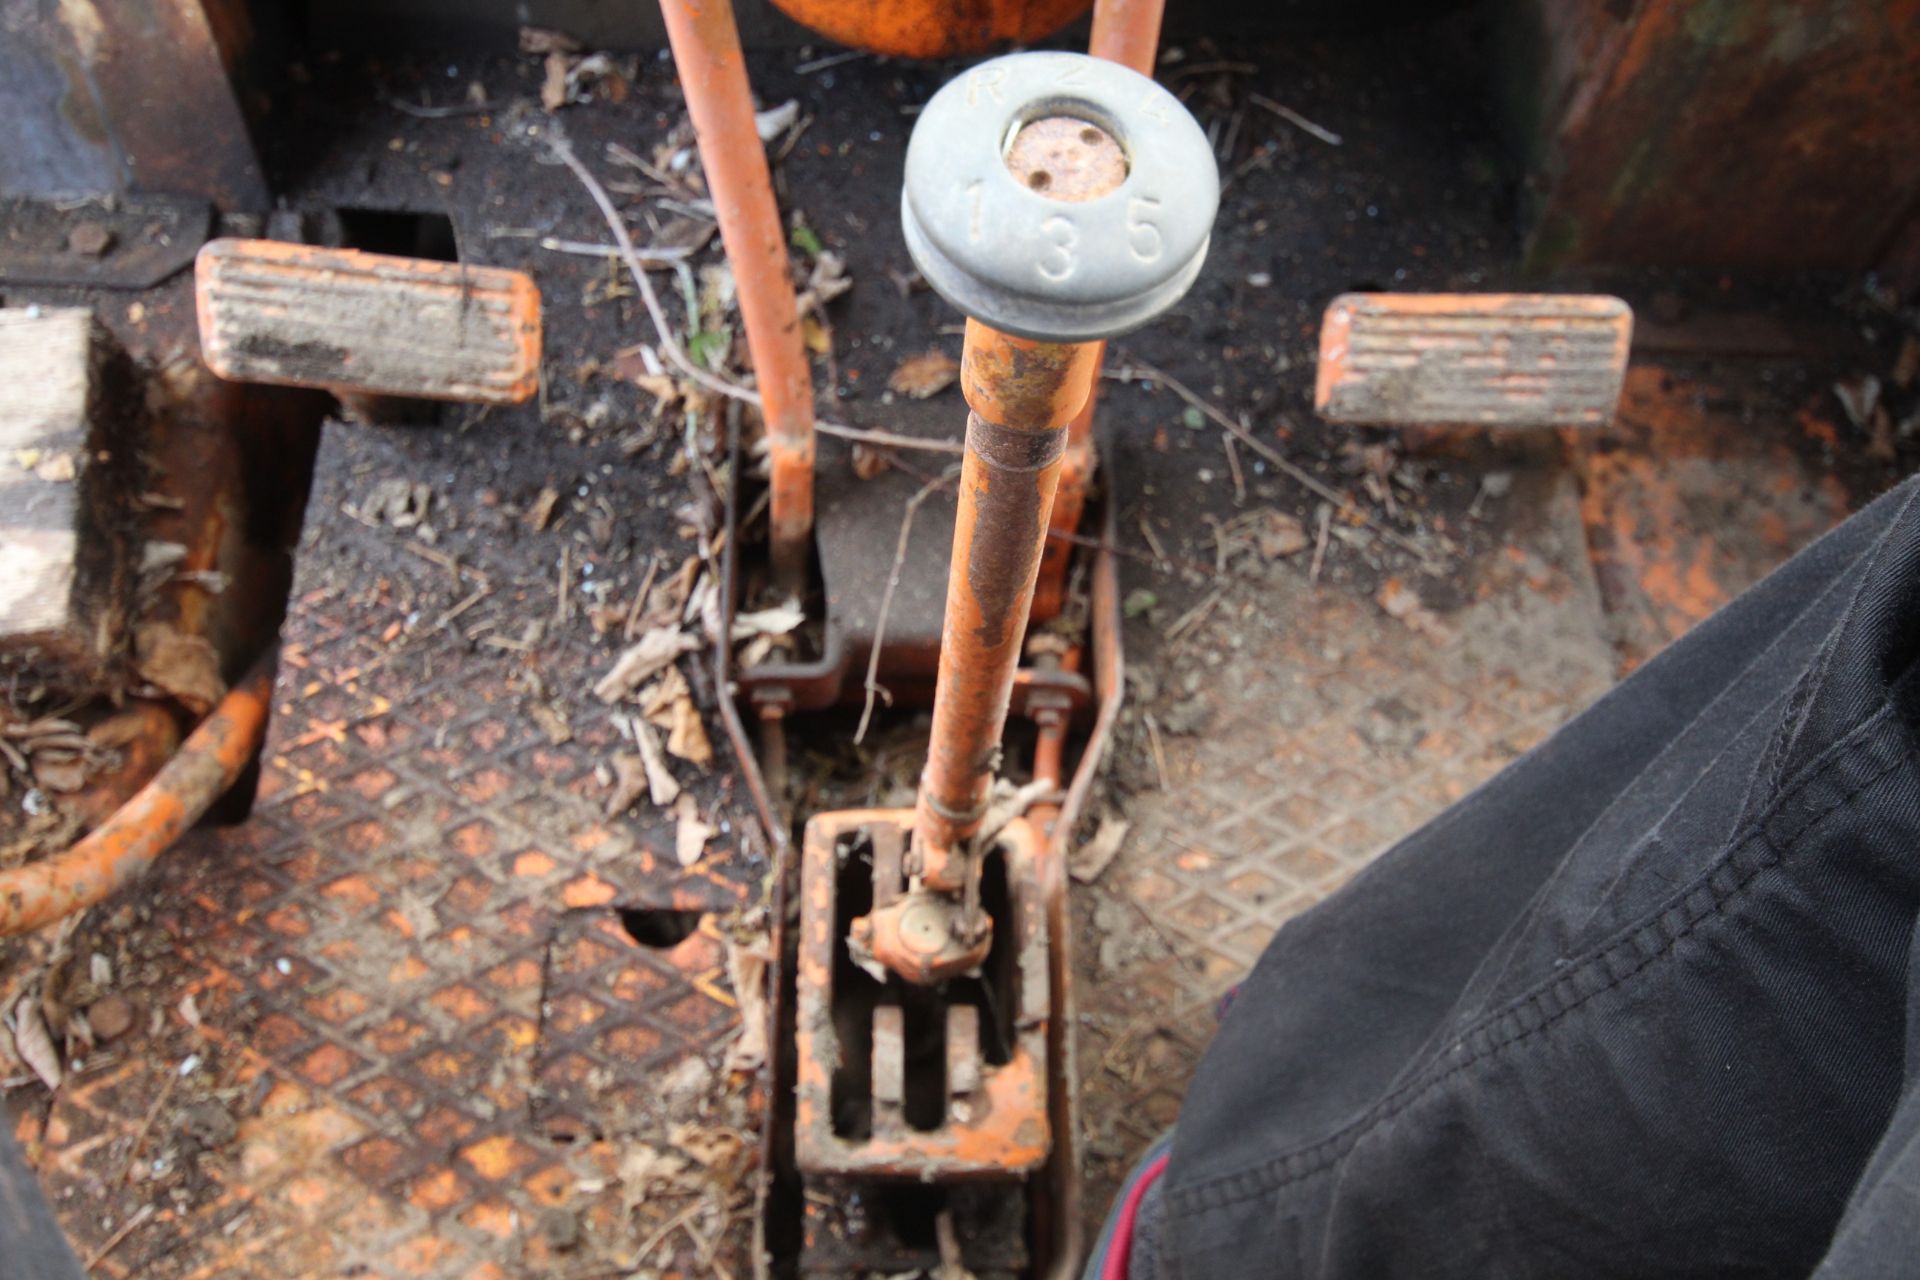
column 355, row 982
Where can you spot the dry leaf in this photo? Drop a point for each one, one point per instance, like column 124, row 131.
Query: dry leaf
column 826, row 281
column 1403, row 602
column 644, row 1170
column 775, row 621
column 33, row 1044
column 747, row 972
column 642, row 660
column 58, row 469
column 668, row 703
column 553, row 722
column 667, row 600
column 754, row 652
column 1091, row 858
column 629, row 783
column 817, row 336
column 540, row 514
column 718, row 1149
column 1906, row 366
column 553, row 88
column 691, row 835
column 662, row 786
column 687, row 737
column 1859, row 397
column 59, row 772
column 774, row 121
column 1279, row 534
column 869, row 462
column 704, row 604
column 657, row 699
column 182, row 665
column 924, row 375
column 547, row 40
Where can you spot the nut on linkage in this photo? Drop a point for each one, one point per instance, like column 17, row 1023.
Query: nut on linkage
column 924, row 937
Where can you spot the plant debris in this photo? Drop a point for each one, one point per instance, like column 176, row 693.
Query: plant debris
column 183, row 666
column 33, row 1043
column 1093, row 857
column 643, row 660
column 691, row 834
column 924, row 375
column 1402, row 602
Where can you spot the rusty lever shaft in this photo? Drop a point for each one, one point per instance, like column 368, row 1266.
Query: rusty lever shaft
column 1021, row 394
column 1056, row 199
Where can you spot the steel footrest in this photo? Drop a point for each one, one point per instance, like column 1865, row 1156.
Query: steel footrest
column 1454, row 359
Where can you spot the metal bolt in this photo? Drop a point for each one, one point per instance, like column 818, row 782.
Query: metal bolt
column 89, row 240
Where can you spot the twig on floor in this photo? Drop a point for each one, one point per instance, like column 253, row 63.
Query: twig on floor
column 671, row 1225
column 448, row 563
column 146, row 1126
column 420, row 112
column 1194, row 616
column 663, row 330
column 1295, row 119
column 1159, row 552
column 628, row 631
column 1171, row 944
column 886, row 597
column 1320, row 543
column 952, row 1264
column 1146, row 558
column 1233, row 464
column 592, row 249
column 1274, row 458
column 127, row 1228
column 831, row 60
column 1159, row 752
column 562, row 598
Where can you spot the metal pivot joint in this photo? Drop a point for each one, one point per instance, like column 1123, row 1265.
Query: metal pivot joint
column 1057, row 200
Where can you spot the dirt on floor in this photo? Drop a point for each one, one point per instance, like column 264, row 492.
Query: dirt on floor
column 440, row 1009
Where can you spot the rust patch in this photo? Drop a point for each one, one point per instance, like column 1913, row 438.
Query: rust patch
column 999, row 1124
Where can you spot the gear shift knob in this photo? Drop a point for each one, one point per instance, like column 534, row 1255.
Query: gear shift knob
column 1058, row 197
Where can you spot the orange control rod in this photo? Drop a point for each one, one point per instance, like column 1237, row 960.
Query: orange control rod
column 713, row 75
column 1022, row 395
column 125, row 845
column 1126, row 32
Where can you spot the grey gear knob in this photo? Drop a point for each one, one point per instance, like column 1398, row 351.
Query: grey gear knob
column 1058, row 197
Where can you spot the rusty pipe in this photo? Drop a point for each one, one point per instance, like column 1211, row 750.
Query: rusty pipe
column 1022, row 394
column 1126, row 32
column 713, row 76
column 126, row 844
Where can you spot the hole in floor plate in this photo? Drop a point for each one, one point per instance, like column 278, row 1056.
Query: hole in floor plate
column 659, row 929
column 401, row 232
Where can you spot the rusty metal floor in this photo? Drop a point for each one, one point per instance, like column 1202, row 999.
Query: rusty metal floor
column 431, row 1013
column 403, row 997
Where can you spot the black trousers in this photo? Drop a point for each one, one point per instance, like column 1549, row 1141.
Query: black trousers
column 1646, row 1004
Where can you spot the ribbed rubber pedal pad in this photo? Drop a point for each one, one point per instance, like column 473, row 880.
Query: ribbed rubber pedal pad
column 368, row 323
column 1494, row 359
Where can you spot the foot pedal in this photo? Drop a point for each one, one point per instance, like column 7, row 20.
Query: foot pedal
column 1494, row 359
column 367, row 323
column 900, row 1081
